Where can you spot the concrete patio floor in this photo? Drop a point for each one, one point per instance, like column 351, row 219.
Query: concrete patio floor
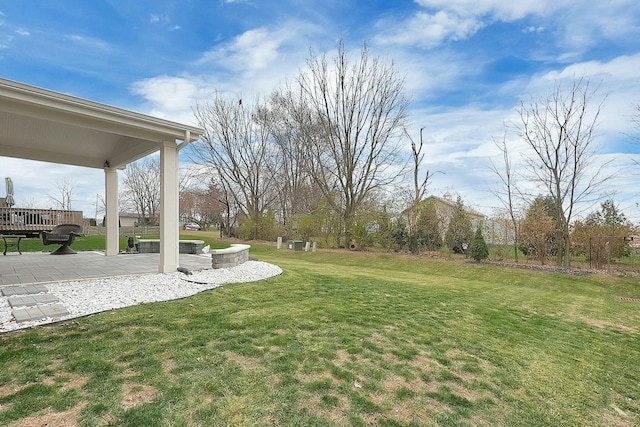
column 40, row 267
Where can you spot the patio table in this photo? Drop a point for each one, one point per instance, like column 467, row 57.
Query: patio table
column 15, row 243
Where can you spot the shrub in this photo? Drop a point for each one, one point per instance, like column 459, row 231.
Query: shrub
column 478, row 249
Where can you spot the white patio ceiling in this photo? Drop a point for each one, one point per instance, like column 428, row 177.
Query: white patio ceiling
column 40, row 124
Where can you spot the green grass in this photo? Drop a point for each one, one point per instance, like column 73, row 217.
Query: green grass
column 344, row 338
column 84, row 243
column 97, row 242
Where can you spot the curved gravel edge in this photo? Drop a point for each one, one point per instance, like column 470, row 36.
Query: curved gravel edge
column 82, row 298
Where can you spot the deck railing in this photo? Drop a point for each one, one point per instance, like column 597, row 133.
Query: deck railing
column 35, row 220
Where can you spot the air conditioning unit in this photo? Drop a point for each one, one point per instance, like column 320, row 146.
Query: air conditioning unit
column 295, row 245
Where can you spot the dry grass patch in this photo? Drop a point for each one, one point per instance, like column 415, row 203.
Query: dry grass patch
column 331, row 406
column 393, row 383
column 69, row 380
column 136, row 394
column 315, row 377
column 601, row 324
column 614, row 420
column 341, row 357
column 247, row 363
column 51, row 418
column 168, row 365
column 8, row 390
column 414, row 410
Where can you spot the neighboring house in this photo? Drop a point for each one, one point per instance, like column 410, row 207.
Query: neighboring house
column 498, row 231
column 445, row 206
column 128, row 219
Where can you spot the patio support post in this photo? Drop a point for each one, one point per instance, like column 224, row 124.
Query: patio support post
column 112, row 211
column 169, row 227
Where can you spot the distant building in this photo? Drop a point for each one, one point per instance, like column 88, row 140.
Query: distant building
column 127, row 219
column 445, row 206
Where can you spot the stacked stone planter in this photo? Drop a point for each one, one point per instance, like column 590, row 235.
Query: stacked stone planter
column 152, row 246
column 230, row 257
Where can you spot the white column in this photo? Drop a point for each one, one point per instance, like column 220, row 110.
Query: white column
column 111, row 211
column 169, row 227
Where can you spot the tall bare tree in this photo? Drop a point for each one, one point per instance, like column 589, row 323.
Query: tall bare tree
column 559, row 130
column 63, row 197
column 141, row 188
column 202, row 206
column 239, row 150
column 636, row 120
column 291, row 126
column 361, row 110
column 508, row 192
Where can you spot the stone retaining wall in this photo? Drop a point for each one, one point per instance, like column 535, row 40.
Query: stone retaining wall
column 230, row 257
column 152, row 246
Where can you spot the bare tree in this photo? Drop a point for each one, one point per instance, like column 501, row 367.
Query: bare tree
column 291, row 125
column 636, row 121
column 141, row 188
column 538, row 230
column 202, row 206
column 64, row 194
column 419, row 187
column 361, row 111
column 559, row 130
column 508, row 192
column 239, row 150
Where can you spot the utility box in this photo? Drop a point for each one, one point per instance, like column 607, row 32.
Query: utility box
column 295, row 245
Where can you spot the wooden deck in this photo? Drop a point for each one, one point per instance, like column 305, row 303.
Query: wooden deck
column 31, row 222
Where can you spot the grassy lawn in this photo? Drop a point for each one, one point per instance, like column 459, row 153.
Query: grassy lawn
column 343, row 338
column 97, row 242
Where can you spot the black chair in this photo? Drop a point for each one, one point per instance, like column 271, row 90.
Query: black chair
column 64, row 235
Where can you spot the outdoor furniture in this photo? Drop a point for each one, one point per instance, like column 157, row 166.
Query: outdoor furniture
column 15, row 244
column 63, row 235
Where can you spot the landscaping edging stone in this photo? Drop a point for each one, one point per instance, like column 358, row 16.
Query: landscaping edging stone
column 232, row 256
column 152, row 246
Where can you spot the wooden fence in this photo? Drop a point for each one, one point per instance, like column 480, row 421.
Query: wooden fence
column 129, row 231
column 33, row 221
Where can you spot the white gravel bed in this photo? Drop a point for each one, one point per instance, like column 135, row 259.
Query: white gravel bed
column 81, row 298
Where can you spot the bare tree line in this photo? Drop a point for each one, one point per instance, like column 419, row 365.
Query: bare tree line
column 325, row 142
column 323, row 157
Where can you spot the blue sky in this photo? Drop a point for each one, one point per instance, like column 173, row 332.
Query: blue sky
column 467, row 65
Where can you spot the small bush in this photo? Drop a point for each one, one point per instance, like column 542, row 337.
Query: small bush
column 478, row 249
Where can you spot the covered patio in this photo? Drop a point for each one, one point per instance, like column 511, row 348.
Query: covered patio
column 39, row 124
column 41, row 267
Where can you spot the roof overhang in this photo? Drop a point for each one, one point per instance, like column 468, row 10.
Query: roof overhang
column 39, row 124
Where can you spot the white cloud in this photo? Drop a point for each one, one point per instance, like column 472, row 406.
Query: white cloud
column 503, row 10
column 88, row 42
column 577, row 25
column 617, row 83
column 22, row 32
column 168, row 94
column 254, row 63
column 260, row 48
column 533, row 29
column 155, row 18
column 427, row 30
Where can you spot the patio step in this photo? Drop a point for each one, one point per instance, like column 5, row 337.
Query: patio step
column 39, row 312
column 33, row 302
column 23, row 290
